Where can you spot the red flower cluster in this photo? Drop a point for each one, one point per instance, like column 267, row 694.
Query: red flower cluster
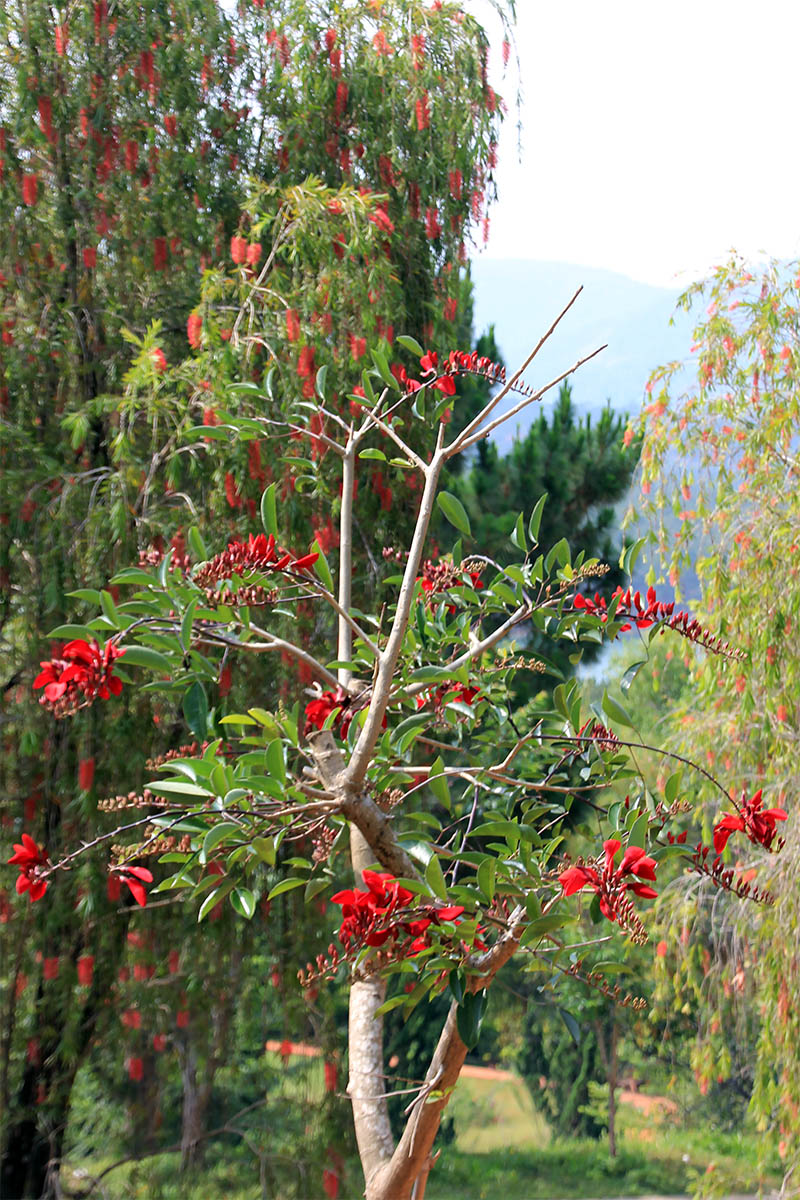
column 439, row 577
column 651, row 613
column 83, row 673
column 450, row 691
column 318, row 710
column 611, row 883
column 258, row 553
column 135, row 878
column 758, row 823
column 371, row 918
column 30, row 859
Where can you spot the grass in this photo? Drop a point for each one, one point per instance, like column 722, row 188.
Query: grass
column 502, row 1150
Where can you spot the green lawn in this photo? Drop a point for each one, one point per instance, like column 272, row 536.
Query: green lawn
column 502, row 1151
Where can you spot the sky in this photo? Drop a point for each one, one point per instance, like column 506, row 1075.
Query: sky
column 656, row 136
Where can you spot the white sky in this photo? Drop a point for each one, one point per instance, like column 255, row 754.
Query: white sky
column 656, row 135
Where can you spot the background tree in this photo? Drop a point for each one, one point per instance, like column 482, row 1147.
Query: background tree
column 720, row 454
column 127, row 139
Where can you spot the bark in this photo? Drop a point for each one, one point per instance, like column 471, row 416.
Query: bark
column 195, row 1109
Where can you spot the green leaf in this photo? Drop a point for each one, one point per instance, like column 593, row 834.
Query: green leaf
column 630, row 673
column 243, row 902
column 435, row 879
column 638, row 833
column 237, row 719
column 269, row 512
column 469, row 1017
column 486, row 877
column 78, row 632
column 410, row 343
column 322, row 375
column 195, row 710
column 438, row 784
column 536, row 519
column 455, row 512
column 370, row 454
column 196, row 543
column 379, row 358
column 178, row 787
column 672, row 786
column 88, row 595
column 613, row 709
column 286, row 885
column 187, row 622
column 216, row 834
column 541, row 926
column 213, row 899
column 133, row 575
column 265, row 849
column 322, row 569
column 518, row 536
column 276, row 764
column 144, row 656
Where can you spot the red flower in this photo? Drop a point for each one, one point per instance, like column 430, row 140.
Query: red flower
column 160, row 260
column 159, row 360
column 30, row 188
column 135, row 878
column 610, row 884
column 194, row 328
column 85, row 970
column 373, row 917
column 254, row 254
column 318, row 710
column 89, row 257
column 238, row 250
column 30, row 859
column 171, row 124
column 83, row 673
column 759, row 824
column 85, row 774
column 292, row 325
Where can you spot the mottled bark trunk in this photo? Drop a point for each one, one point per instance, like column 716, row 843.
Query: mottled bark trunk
column 195, row 1111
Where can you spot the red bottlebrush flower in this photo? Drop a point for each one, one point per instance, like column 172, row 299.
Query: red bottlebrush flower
column 433, row 226
column 89, row 257
column 85, row 774
column 194, row 329
column 292, row 325
column 62, row 40
column 171, row 124
column 358, row 347
column 85, row 970
column 135, row 878
column 456, row 182
column 506, row 51
column 173, row 961
column 225, row 679
column 238, row 250
column 159, row 254
column 159, row 1042
column 305, row 362
column 159, row 359
column 380, row 218
column 231, row 491
column 417, row 50
column 331, row 1076
column 330, row 39
column 51, row 968
column 423, row 112
column 758, row 823
column 45, row 105
column 381, row 44
column 330, row 1183
column 611, row 883
column 30, row 859
column 131, row 154
column 253, row 254
column 135, row 1070
column 340, row 102
column 83, row 673
column 30, row 189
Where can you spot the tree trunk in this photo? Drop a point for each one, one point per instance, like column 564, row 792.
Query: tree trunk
column 612, row 1091
column 195, row 1109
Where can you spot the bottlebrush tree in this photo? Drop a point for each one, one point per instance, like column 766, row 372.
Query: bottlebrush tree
column 130, row 142
column 720, row 460
column 403, row 763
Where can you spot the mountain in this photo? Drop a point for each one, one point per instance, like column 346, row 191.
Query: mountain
column 522, row 298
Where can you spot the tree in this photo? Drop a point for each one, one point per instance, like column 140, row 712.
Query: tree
column 453, row 900
column 719, row 456
column 130, row 142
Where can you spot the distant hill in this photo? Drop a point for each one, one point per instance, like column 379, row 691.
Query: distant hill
column 521, row 299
